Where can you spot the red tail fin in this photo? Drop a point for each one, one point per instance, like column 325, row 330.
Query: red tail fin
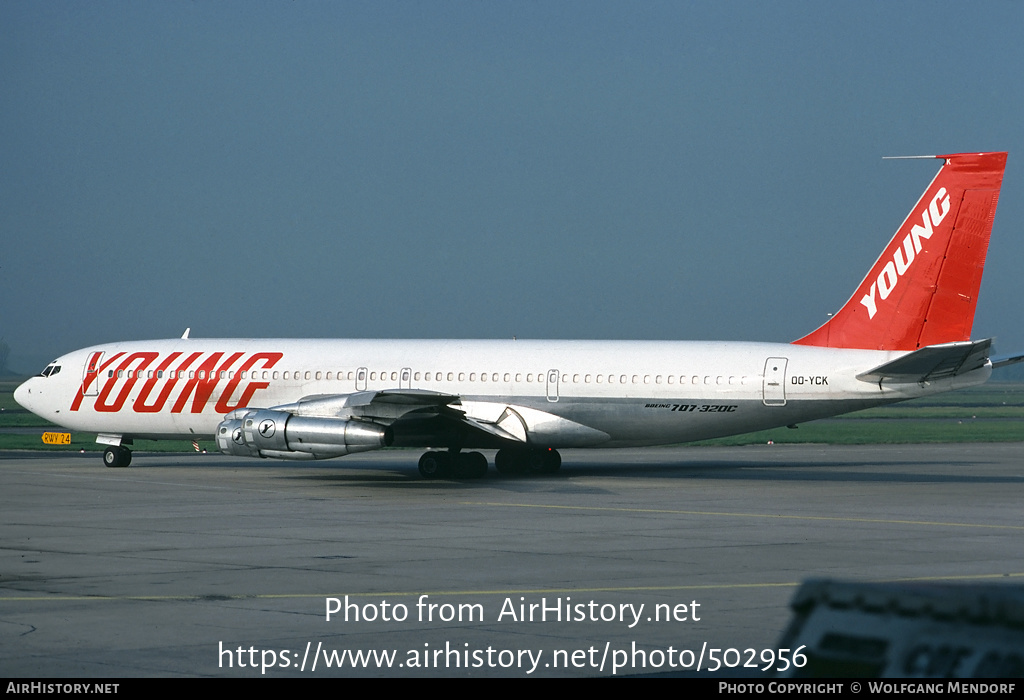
column 924, row 288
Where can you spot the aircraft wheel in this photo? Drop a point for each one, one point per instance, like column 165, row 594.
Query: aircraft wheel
column 506, row 462
column 472, row 465
column 542, row 461
column 551, row 461
column 434, row 465
column 533, row 461
column 115, row 456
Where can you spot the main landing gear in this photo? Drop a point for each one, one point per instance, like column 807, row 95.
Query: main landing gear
column 473, row 465
column 459, row 465
column 117, row 456
column 543, row 461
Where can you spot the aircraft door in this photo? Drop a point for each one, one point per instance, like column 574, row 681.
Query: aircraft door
column 775, row 381
column 552, row 385
column 405, row 378
column 91, row 377
column 361, row 379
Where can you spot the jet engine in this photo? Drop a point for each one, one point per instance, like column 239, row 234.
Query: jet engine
column 282, row 435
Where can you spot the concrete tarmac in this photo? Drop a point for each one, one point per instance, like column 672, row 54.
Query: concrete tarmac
column 205, row 565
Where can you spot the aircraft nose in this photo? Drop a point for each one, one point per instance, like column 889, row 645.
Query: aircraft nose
column 23, row 395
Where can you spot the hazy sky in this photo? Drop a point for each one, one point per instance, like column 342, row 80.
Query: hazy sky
column 483, row 169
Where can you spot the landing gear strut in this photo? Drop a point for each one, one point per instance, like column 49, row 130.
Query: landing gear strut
column 117, row 456
column 544, row 461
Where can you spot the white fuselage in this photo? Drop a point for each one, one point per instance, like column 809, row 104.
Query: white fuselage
column 625, row 392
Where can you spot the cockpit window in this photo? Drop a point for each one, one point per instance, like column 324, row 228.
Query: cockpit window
column 50, row 370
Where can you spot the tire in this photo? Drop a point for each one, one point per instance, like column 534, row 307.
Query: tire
column 506, row 462
column 435, row 465
column 472, row 465
column 430, row 465
column 116, row 457
column 535, row 462
column 551, row 461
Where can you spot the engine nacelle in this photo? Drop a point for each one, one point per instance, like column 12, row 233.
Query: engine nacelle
column 279, row 434
column 230, row 439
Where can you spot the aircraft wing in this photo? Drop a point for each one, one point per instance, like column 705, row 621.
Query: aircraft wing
column 932, row 362
column 418, row 415
column 384, row 405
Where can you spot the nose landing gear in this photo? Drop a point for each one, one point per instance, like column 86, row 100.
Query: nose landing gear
column 117, row 456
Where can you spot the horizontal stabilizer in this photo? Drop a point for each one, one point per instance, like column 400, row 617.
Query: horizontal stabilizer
column 1004, row 360
column 932, row 362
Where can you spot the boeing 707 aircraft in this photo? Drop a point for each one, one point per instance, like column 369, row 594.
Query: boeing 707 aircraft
column 905, row 333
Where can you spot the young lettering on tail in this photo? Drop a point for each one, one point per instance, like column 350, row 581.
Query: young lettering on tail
column 924, row 288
